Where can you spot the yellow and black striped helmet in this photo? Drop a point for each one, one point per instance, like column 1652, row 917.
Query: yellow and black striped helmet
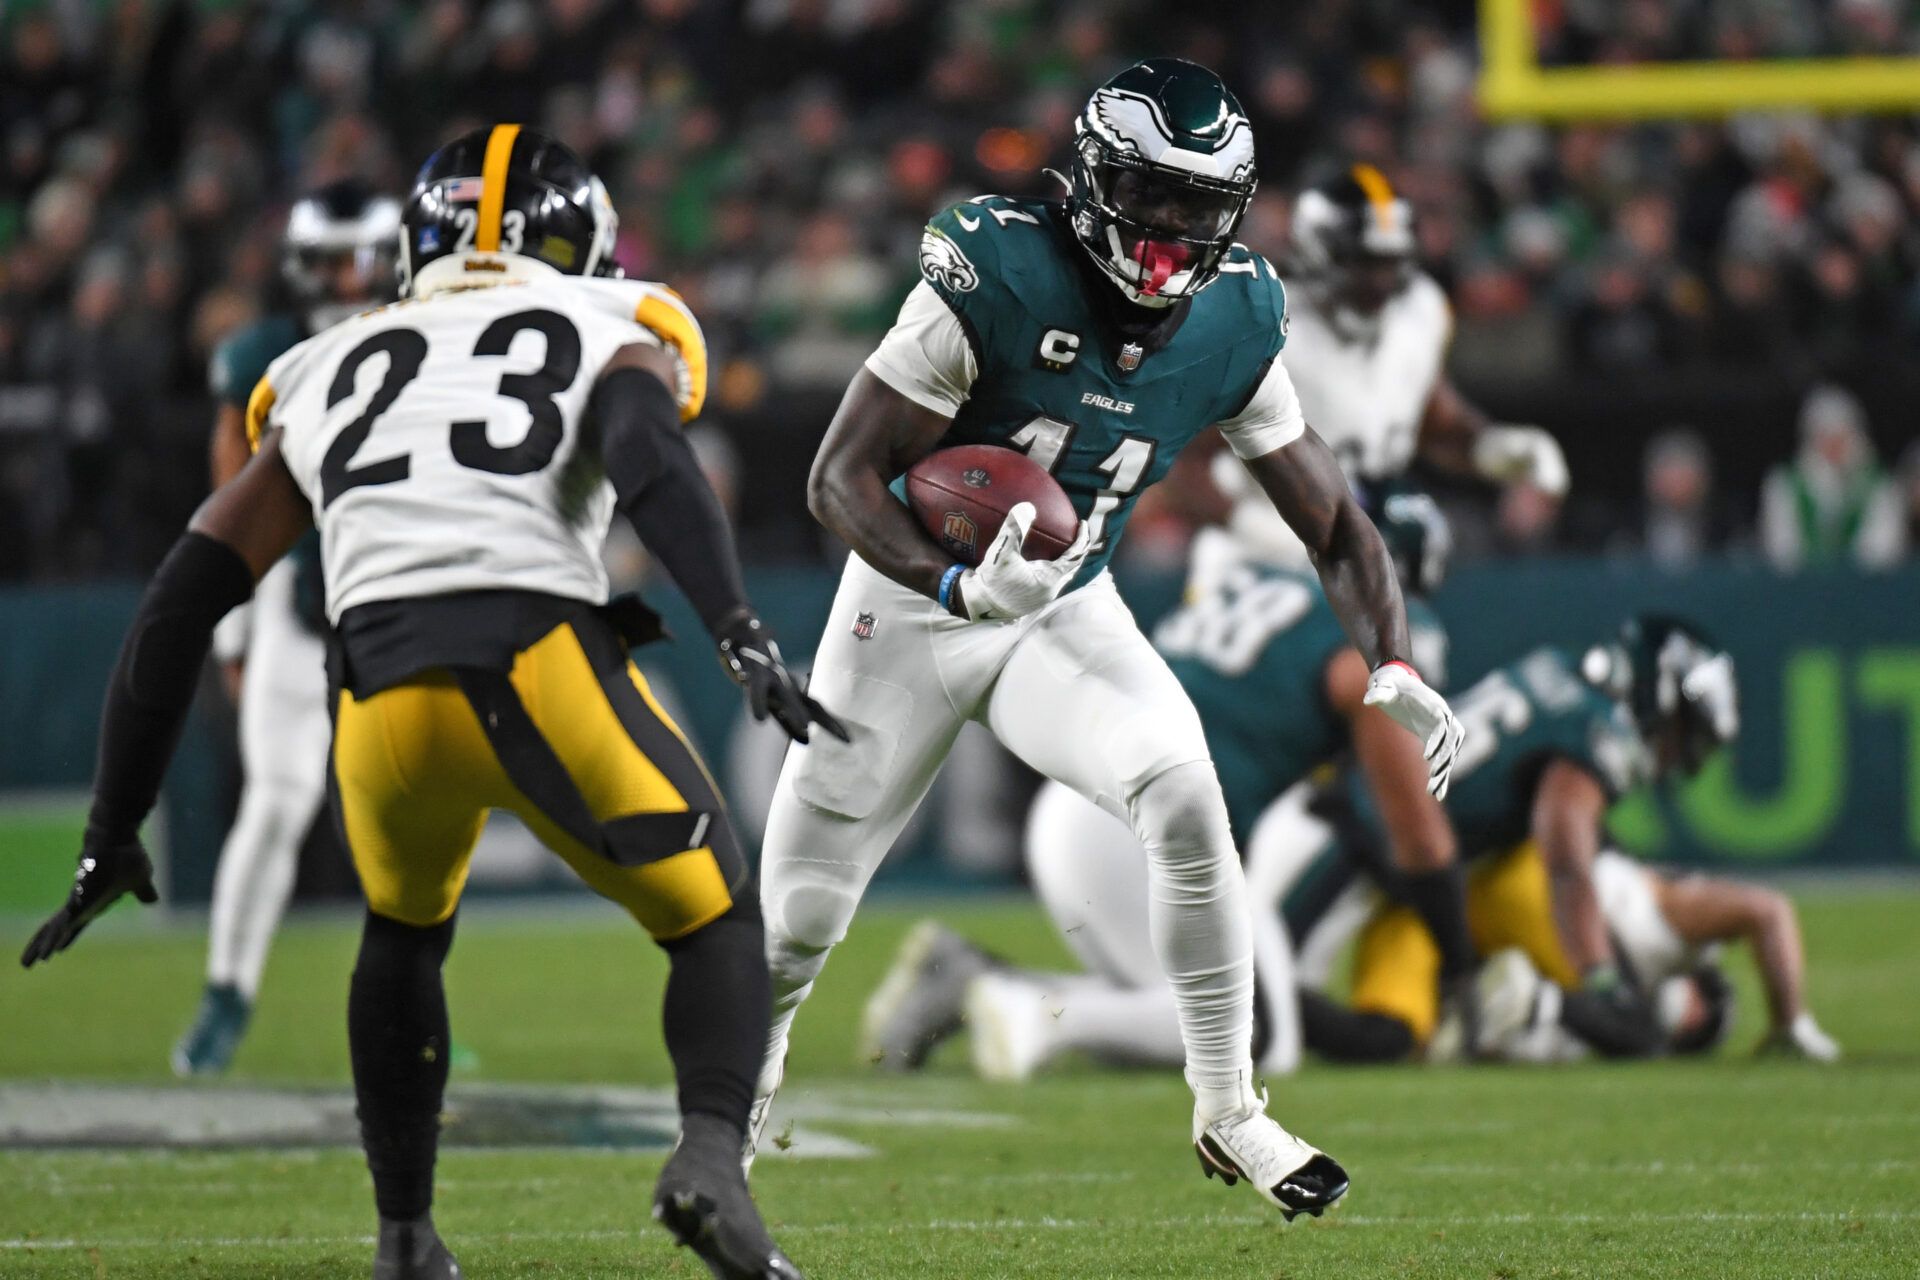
column 512, row 190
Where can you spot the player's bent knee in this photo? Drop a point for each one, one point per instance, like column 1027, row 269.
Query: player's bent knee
column 1181, row 812
column 810, row 918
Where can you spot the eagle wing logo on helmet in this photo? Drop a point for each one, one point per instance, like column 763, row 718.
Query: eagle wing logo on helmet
column 942, row 262
column 1132, row 122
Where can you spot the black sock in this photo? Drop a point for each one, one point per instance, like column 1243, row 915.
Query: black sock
column 397, row 1033
column 1340, row 1034
column 1440, row 898
column 716, row 1009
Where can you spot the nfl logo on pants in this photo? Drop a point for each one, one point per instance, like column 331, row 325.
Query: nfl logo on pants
column 863, row 626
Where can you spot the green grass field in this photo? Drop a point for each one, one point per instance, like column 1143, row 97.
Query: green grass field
column 1727, row 1167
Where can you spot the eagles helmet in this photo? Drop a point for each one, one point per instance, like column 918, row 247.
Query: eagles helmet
column 1419, row 539
column 1162, row 175
column 508, row 191
column 337, row 256
column 1678, row 684
column 1352, row 246
column 1696, row 1009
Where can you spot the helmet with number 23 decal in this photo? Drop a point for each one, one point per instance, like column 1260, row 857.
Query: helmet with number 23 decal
column 511, row 191
column 1162, row 175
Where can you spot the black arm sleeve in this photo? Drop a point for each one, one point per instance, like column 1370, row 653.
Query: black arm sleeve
column 662, row 492
column 153, row 682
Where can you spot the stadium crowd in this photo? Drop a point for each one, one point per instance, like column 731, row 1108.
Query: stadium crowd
column 774, row 159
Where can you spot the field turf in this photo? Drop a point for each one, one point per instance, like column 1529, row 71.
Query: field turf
column 1727, row 1167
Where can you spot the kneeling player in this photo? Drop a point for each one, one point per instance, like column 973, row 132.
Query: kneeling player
column 462, row 452
column 1556, row 740
column 1279, row 690
column 1668, row 930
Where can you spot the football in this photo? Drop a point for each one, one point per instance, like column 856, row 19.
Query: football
column 963, row 494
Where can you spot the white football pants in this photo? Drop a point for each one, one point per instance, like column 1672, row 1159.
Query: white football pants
column 1090, row 872
column 284, row 737
column 1077, row 692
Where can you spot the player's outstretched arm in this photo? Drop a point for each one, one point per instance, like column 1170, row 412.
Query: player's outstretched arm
column 1704, row 909
column 663, row 493
column 1569, row 813
column 876, row 435
column 234, row 538
column 1456, row 435
column 1307, row 486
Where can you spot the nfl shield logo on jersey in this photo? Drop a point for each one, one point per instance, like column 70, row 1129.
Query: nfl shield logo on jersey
column 1130, row 357
column 959, row 533
column 864, row 625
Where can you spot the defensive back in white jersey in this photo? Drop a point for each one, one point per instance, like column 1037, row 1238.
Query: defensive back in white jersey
column 443, row 442
column 1366, row 393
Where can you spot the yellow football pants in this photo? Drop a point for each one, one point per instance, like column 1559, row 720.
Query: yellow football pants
column 574, row 745
column 1396, row 965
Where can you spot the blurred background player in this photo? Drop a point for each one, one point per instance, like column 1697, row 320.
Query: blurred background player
column 1279, row 689
column 474, row 672
column 1553, row 741
column 338, row 258
column 1368, row 347
column 1668, row 929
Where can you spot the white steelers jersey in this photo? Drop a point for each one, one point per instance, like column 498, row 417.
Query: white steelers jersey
column 440, row 438
column 1632, row 912
column 1366, row 399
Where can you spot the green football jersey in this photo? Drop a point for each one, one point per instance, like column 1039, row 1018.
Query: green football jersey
column 1253, row 655
column 238, row 364
column 241, row 360
column 1084, row 382
column 1518, row 719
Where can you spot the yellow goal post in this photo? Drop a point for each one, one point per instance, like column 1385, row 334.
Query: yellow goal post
column 1514, row 86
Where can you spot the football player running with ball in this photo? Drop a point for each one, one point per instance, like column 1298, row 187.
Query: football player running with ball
column 462, row 453
column 1099, row 336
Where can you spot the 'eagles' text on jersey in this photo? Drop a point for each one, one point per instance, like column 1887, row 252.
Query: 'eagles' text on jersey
column 440, row 439
column 1007, row 335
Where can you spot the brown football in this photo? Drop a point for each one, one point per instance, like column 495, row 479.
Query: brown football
column 963, row 494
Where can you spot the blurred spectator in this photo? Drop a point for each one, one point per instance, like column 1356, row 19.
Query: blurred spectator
column 1833, row 504
column 1681, row 517
column 1910, row 492
column 775, row 160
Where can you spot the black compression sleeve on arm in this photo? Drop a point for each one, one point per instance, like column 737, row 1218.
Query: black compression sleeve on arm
column 663, row 493
column 1440, row 899
column 153, row 682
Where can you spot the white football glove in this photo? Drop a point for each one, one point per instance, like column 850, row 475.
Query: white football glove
column 1514, row 454
column 1398, row 690
column 1802, row 1038
column 1007, row 584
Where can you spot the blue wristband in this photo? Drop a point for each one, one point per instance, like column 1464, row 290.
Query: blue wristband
column 947, row 579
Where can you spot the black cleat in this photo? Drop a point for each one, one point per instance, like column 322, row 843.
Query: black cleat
column 921, row 1001
column 412, row 1251
column 702, row 1199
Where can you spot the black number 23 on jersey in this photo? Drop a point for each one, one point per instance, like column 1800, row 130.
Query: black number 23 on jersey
column 406, row 351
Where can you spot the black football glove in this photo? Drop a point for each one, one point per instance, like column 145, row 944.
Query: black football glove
column 751, row 657
column 106, row 871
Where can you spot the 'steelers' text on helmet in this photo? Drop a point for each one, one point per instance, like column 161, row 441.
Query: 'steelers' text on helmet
column 1162, row 175
column 512, row 191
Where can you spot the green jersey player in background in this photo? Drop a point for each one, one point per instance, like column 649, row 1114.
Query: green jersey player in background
column 1555, row 738
column 1279, row 690
column 1100, row 336
column 338, row 259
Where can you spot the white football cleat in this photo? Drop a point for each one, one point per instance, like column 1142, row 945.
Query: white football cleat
column 1010, row 1022
column 757, row 1116
column 1293, row 1175
column 1508, row 993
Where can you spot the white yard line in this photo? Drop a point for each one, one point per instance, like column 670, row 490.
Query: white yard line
column 1010, row 1224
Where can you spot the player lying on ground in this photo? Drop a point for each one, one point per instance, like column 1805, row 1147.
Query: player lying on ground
column 1279, row 690
column 1668, row 930
column 337, row 259
column 1100, row 336
column 462, row 453
column 1555, row 740
column 1369, row 344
